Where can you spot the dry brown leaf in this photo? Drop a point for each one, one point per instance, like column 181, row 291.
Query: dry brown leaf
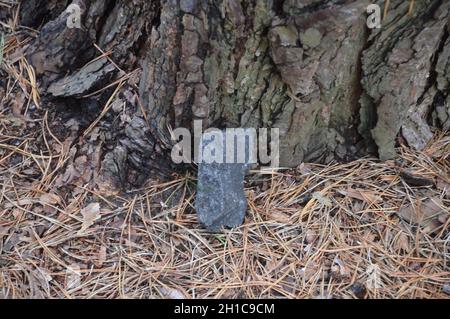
column 20, row 202
column 370, row 197
column 279, row 217
column 101, row 257
column 50, row 199
column 131, row 244
column 388, row 178
column 17, row 105
column 311, row 236
column 402, row 242
column 4, row 231
column 426, row 214
column 90, row 214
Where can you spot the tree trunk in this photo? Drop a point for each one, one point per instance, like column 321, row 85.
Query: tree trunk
column 312, row 68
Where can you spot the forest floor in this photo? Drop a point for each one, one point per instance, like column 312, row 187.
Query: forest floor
column 365, row 229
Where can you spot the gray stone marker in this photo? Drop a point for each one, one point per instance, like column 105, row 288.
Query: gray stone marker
column 221, row 200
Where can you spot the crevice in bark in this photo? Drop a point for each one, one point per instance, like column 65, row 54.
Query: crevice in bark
column 142, row 42
column 371, row 117
column 102, row 21
column 35, row 13
column 277, row 7
column 433, row 74
column 439, row 101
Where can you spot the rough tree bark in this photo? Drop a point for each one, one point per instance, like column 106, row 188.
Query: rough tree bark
column 312, row 68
